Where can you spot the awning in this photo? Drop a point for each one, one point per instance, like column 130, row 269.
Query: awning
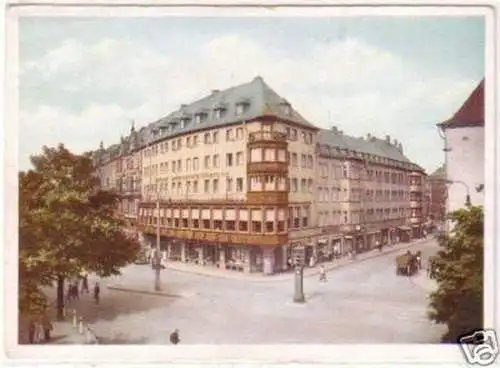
column 404, row 228
column 322, row 241
column 347, row 237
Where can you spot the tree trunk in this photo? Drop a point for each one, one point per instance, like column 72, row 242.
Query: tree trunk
column 60, row 298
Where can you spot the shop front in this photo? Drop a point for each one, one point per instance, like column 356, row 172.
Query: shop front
column 404, row 234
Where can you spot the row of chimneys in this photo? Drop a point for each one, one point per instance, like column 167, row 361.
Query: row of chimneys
column 395, row 143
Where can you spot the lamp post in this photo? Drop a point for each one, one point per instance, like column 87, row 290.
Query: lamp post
column 299, row 259
column 157, row 258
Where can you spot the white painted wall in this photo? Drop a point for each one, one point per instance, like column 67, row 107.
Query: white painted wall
column 465, row 162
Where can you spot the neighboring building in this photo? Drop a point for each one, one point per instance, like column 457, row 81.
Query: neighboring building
column 245, row 182
column 438, row 194
column 464, row 147
column 120, row 170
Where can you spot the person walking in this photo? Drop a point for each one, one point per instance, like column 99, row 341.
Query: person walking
column 174, row 337
column 322, row 273
column 85, row 283
column 69, row 294
column 97, row 291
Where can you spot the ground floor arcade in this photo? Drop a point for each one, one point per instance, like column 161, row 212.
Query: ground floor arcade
column 273, row 259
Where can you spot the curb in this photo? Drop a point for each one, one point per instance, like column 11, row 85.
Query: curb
column 315, row 272
column 141, row 291
column 375, row 255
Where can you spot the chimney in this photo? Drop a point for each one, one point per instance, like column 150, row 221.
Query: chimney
column 395, row 143
column 341, row 132
column 183, row 106
column 215, row 91
column 388, row 139
column 368, row 136
column 334, row 129
column 400, row 147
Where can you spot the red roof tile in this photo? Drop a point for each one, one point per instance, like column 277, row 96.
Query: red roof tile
column 472, row 111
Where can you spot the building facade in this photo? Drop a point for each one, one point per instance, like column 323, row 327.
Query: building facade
column 244, row 182
column 438, row 194
column 464, row 148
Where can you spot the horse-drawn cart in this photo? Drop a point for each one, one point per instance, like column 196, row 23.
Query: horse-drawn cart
column 406, row 264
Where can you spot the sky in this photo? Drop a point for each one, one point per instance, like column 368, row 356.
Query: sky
column 83, row 80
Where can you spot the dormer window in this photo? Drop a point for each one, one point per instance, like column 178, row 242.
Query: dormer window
column 286, row 108
column 219, row 111
column 184, row 120
column 242, row 106
column 200, row 117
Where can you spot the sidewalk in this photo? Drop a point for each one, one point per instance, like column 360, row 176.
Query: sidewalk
column 422, row 281
column 259, row 277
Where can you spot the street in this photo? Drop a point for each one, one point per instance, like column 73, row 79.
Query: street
column 363, row 302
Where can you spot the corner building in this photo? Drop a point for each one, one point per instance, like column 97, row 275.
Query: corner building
column 244, row 182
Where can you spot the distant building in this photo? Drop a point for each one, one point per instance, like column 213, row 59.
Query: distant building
column 438, row 194
column 464, row 147
column 245, row 182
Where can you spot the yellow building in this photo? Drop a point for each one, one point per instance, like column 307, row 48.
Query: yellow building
column 245, row 182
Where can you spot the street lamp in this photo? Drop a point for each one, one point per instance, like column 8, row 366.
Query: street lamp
column 299, row 260
column 157, row 257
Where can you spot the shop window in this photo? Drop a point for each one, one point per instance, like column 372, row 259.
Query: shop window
column 176, row 222
column 230, row 226
column 196, row 223
column 281, row 226
column 185, row 222
column 206, row 224
column 217, row 224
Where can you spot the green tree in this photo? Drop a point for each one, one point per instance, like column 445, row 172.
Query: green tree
column 458, row 301
column 66, row 224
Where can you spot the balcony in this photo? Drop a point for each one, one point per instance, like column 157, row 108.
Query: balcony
column 267, row 167
column 266, row 137
column 267, row 198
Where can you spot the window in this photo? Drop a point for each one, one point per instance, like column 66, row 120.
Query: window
column 243, row 226
column 309, row 161
column 216, row 161
column 188, row 142
column 239, row 158
column 229, row 184
column 229, row 159
column 294, row 159
column 269, row 226
column 207, row 162
column 188, row 164
column 215, row 137
column 196, row 223
column 215, row 186
column 229, row 135
column 206, row 224
column 294, row 185
column 257, row 226
column 195, row 140
column 230, row 225
column 217, row 224
column 239, row 133
column 239, row 184
column 206, row 187
column 294, row 135
column 303, row 161
column 240, row 109
column 303, row 185
column 179, row 166
column 309, row 185
column 206, row 138
column 195, row 186
column 195, row 164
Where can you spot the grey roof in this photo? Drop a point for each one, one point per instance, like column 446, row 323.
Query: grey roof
column 372, row 146
column 261, row 99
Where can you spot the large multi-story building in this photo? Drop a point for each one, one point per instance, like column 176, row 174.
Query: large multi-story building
column 438, row 194
column 243, row 181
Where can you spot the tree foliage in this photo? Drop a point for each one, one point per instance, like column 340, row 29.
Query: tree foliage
column 66, row 224
column 458, row 301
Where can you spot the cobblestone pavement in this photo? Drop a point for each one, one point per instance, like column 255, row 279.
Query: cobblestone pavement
column 364, row 302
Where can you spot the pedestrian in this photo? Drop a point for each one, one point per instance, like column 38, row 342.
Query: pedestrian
column 322, row 273
column 97, row 291
column 69, row 293
column 75, row 290
column 47, row 327
column 379, row 246
column 31, row 331
column 85, row 284
column 174, row 337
